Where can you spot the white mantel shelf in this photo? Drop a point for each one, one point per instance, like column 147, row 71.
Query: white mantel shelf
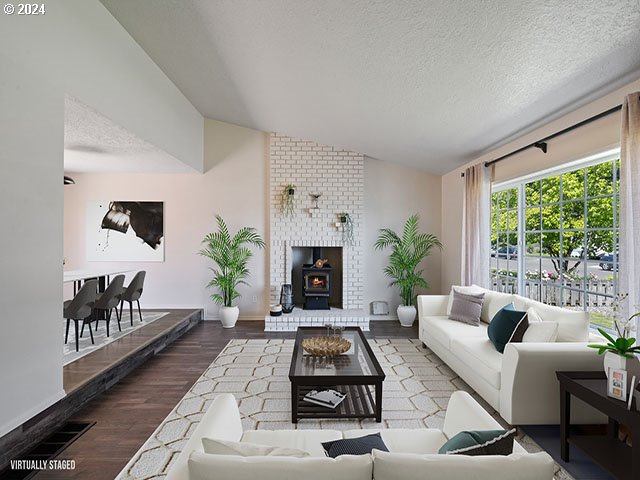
column 289, row 322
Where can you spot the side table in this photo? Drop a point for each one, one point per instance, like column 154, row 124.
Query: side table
column 621, row 460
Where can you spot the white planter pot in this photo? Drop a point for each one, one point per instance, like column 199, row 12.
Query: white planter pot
column 406, row 315
column 229, row 316
column 631, row 365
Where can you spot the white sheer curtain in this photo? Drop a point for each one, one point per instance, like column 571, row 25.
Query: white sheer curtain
column 629, row 256
column 477, row 225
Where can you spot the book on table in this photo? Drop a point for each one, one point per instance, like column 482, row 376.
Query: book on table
column 325, row 398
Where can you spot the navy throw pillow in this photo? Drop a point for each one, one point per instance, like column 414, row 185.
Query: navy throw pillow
column 354, row 446
column 508, row 325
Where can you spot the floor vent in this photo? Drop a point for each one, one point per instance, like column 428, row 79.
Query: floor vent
column 48, row 449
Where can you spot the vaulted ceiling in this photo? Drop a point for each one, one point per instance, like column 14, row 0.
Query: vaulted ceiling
column 428, row 83
column 95, row 144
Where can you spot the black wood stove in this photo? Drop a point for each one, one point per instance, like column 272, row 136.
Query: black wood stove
column 316, row 284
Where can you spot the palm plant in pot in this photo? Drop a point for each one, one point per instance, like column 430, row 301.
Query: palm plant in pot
column 230, row 254
column 407, row 252
column 620, row 353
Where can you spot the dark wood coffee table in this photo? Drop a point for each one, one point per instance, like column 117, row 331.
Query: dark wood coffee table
column 356, row 373
column 622, row 461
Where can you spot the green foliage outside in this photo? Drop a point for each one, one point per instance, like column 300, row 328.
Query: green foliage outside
column 546, row 212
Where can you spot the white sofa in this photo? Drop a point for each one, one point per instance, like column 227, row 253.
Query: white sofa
column 521, row 383
column 413, row 452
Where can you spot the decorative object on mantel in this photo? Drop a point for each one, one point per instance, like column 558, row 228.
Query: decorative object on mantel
column 286, row 297
column 231, row 256
column 288, row 200
column 620, row 353
column 407, row 252
column 315, row 209
column 321, row 262
column 326, row 346
column 345, row 225
column 275, row 310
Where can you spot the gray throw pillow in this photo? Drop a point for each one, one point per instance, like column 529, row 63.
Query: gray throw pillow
column 466, row 308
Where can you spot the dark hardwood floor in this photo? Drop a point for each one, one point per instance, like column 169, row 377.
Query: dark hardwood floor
column 128, row 413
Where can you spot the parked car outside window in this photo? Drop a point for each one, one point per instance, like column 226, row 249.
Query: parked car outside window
column 606, row 262
column 503, row 252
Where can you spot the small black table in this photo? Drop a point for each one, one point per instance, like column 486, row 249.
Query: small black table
column 355, row 373
column 622, row 461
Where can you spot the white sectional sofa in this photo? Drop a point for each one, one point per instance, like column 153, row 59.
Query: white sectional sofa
column 521, row 383
column 413, row 452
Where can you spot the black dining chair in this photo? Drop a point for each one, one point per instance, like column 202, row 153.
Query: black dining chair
column 79, row 309
column 108, row 301
column 132, row 294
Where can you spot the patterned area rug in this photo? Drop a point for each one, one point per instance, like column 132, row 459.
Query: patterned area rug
column 100, row 337
column 415, row 395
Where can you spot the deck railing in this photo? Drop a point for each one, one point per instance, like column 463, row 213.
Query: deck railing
column 599, row 293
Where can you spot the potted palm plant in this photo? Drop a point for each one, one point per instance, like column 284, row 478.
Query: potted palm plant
column 230, row 254
column 407, row 251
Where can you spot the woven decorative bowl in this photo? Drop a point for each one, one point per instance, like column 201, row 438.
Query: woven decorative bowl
column 326, row 346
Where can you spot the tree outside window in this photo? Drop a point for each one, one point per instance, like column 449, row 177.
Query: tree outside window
column 554, row 238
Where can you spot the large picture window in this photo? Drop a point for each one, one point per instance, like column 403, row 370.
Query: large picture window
column 554, row 237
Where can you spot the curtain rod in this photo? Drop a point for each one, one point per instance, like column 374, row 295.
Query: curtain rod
column 542, row 144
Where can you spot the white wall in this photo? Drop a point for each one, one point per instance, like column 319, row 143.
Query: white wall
column 31, row 142
column 234, row 186
column 76, row 48
column 393, row 192
column 587, row 140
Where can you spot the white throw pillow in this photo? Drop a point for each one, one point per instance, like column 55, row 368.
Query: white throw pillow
column 533, row 316
column 407, row 466
column 541, row 332
column 245, row 449
column 203, row 466
column 494, row 302
column 573, row 325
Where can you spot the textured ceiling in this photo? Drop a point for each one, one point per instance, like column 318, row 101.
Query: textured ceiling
column 93, row 143
column 427, row 83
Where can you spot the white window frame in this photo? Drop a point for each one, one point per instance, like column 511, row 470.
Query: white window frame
column 519, row 184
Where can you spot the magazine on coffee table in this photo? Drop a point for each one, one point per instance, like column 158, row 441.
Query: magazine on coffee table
column 325, row 398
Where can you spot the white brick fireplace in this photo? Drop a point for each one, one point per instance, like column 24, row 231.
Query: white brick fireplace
column 339, row 176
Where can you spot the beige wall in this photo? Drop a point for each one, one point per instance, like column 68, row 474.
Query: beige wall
column 593, row 138
column 392, row 193
column 234, row 186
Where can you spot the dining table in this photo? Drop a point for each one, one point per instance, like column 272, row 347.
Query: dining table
column 103, row 275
